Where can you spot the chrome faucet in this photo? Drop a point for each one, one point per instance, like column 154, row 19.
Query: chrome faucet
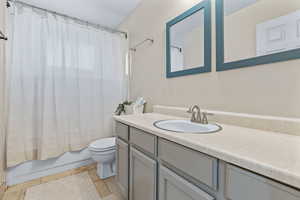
column 196, row 114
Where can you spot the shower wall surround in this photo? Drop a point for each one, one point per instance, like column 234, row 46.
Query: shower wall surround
column 271, row 89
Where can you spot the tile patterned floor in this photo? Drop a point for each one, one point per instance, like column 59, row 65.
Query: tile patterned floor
column 107, row 189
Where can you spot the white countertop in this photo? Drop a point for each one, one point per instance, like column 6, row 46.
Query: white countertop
column 270, row 154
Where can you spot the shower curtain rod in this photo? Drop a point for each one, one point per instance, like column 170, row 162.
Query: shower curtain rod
column 72, row 18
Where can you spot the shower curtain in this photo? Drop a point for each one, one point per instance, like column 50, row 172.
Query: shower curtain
column 2, row 97
column 64, row 81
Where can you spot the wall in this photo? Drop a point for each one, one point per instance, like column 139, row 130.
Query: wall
column 2, row 62
column 272, row 89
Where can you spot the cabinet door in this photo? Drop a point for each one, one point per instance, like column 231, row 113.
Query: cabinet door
column 142, row 176
column 122, row 167
column 245, row 185
column 173, row 187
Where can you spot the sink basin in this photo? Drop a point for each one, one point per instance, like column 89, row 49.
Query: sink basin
column 186, row 126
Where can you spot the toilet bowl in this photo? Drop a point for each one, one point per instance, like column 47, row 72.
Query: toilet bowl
column 103, row 152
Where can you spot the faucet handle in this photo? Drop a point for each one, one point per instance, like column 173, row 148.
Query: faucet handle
column 204, row 117
column 190, row 110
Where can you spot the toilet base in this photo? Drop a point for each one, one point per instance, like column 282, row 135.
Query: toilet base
column 106, row 170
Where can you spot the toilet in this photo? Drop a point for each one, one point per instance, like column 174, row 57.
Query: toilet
column 103, row 152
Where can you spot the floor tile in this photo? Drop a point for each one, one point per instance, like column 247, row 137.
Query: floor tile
column 102, row 188
column 75, row 187
column 24, row 185
column 83, row 181
column 56, row 176
column 14, row 195
column 93, row 174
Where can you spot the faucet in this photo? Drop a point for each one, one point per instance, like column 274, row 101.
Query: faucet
column 197, row 115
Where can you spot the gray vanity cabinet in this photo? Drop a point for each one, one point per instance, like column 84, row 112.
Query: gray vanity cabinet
column 122, row 131
column 173, row 187
column 244, row 185
column 150, row 167
column 122, row 159
column 142, row 176
column 204, row 168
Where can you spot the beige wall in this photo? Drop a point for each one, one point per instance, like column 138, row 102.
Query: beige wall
column 272, row 89
column 2, row 61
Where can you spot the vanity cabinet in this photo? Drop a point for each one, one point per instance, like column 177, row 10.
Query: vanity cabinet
column 244, row 185
column 122, row 161
column 174, row 187
column 142, row 176
column 144, row 141
column 154, row 168
column 122, row 131
column 204, row 168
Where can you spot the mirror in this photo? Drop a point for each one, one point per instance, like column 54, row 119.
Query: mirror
column 254, row 32
column 188, row 42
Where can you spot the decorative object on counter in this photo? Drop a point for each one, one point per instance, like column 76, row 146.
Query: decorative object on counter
column 136, row 107
column 121, row 107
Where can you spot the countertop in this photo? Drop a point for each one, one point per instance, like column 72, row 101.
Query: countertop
column 270, row 154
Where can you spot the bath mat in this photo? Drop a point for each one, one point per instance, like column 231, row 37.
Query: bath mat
column 76, row 187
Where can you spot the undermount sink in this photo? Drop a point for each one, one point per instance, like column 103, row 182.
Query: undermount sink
column 186, row 126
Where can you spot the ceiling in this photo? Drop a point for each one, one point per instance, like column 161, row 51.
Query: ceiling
column 108, row 13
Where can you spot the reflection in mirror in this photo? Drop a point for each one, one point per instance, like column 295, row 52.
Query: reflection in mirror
column 187, row 43
column 254, row 28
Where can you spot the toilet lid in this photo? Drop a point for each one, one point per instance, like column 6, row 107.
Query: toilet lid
column 103, row 144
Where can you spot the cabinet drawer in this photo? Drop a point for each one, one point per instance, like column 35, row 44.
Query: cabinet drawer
column 242, row 184
column 122, row 131
column 172, row 186
column 143, row 140
column 195, row 164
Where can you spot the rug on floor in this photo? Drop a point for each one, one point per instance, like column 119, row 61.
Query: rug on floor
column 76, row 187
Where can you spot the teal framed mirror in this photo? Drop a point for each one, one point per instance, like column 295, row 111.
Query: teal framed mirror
column 188, row 42
column 256, row 32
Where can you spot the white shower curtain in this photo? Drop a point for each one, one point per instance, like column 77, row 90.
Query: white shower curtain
column 64, row 81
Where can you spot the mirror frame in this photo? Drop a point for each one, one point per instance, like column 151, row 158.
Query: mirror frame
column 259, row 60
column 205, row 5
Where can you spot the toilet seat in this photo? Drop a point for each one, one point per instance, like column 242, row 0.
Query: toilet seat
column 106, row 144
